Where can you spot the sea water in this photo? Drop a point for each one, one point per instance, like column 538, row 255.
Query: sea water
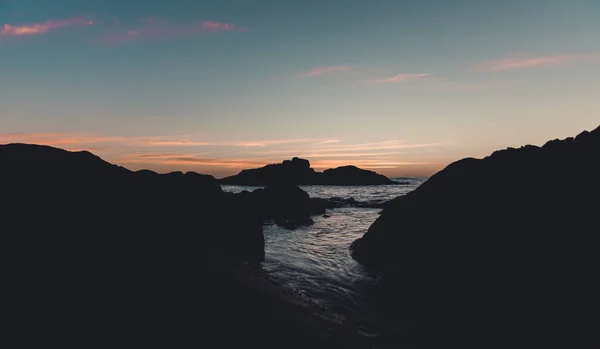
column 315, row 262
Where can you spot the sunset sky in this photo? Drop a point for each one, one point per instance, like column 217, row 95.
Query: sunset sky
column 400, row 87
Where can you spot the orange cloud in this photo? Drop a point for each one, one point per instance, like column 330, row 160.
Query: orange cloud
column 43, row 27
column 175, row 143
column 189, row 159
column 159, row 156
column 360, row 147
column 340, row 155
column 524, row 60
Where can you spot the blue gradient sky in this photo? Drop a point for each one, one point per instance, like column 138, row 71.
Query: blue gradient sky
column 402, row 87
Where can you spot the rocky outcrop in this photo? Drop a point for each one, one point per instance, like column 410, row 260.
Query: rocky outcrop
column 79, row 193
column 297, row 171
column 286, row 204
column 498, row 249
column 95, row 253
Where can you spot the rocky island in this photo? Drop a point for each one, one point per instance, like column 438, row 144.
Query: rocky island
column 298, row 171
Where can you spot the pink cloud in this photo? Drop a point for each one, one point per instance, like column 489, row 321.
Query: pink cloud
column 523, row 60
column 175, row 143
column 175, row 159
column 156, row 29
column 330, row 141
column 398, row 78
column 217, row 26
column 324, row 70
column 43, row 27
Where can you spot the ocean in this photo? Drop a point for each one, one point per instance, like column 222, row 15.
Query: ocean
column 315, row 262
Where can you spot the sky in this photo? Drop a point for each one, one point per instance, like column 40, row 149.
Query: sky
column 397, row 86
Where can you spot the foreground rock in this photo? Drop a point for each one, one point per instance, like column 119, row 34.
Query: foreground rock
column 97, row 255
column 77, row 193
column 297, row 171
column 285, row 203
column 497, row 252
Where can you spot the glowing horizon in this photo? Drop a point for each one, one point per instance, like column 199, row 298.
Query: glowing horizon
column 138, row 153
column 402, row 88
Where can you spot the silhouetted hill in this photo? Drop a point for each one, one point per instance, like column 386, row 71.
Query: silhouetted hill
column 95, row 253
column 497, row 252
column 297, row 171
column 31, row 160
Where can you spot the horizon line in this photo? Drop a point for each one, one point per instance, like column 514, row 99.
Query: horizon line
column 127, row 165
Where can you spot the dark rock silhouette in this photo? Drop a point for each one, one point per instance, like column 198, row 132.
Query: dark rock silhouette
column 294, row 223
column 497, row 252
column 286, row 204
column 295, row 171
column 97, row 255
column 298, row 171
column 351, row 175
column 72, row 190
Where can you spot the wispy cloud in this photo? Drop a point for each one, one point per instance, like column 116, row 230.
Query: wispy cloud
column 30, row 29
column 324, row 70
column 367, row 164
column 79, row 140
column 157, row 29
column 385, row 145
column 398, row 78
column 57, row 139
column 161, row 156
column 357, row 147
column 525, row 60
column 269, row 142
column 72, row 141
column 188, row 159
column 175, row 143
column 329, row 141
column 340, row 155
